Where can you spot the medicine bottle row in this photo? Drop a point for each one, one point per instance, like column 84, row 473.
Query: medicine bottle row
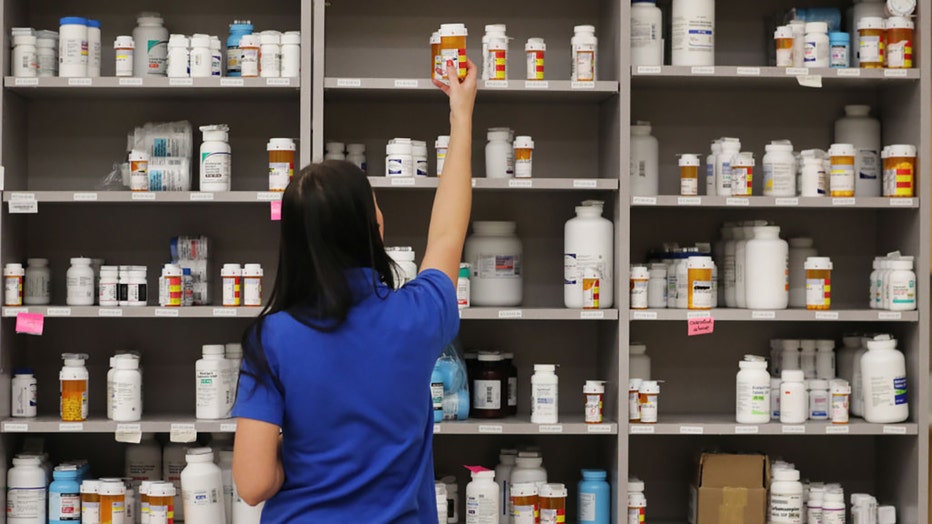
column 355, row 153
column 242, row 285
column 517, row 490
column 448, row 44
column 796, row 501
column 87, row 282
column 269, row 54
column 878, row 43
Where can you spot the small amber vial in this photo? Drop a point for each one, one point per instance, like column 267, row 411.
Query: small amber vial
column 112, row 500
column 689, row 175
column 524, row 156
column 73, row 400
column 281, row 163
column 525, row 503
column 842, row 177
column 553, row 504
column 161, row 503
column 453, row 47
column 900, row 35
column 873, row 40
column 436, row 63
column 699, row 282
column 818, row 283
column 902, row 171
column 90, row 501
column 784, row 42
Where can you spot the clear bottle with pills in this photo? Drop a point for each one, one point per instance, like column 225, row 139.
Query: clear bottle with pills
column 818, row 283
column 74, row 380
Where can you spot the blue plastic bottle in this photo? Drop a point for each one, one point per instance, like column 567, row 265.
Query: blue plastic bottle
column 237, row 29
column 65, row 495
column 840, row 52
column 594, row 497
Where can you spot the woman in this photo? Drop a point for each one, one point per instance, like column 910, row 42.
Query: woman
column 335, row 419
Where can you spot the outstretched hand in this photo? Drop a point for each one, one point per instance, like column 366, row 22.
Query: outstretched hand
column 462, row 93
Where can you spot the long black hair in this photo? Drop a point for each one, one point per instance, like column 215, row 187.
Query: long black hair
column 328, row 227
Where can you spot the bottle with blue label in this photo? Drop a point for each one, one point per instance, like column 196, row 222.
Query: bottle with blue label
column 238, row 29
column 65, row 495
column 594, row 497
column 436, row 394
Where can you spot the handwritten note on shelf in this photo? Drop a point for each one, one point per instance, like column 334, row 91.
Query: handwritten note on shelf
column 276, row 210
column 30, row 323
column 700, row 326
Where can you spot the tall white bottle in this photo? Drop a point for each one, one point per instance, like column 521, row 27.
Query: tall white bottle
column 765, row 274
column 693, row 32
column 482, row 499
column 883, row 378
column 800, row 250
column 646, row 33
column 214, row 384
column 588, row 242
column 857, row 127
column 202, row 488
column 645, row 161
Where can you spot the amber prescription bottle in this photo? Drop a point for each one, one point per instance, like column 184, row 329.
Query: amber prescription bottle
column 842, row 178
column 900, row 34
column 872, row 37
column 73, row 378
column 535, row 49
column 436, row 62
column 453, row 48
column 490, row 387
column 818, row 283
column 524, row 160
column 161, row 503
column 901, row 173
column 281, row 163
column 553, row 504
column 594, row 394
column 699, row 278
column 525, row 503
column 112, row 501
column 90, row 501
column 689, row 175
column 784, row 40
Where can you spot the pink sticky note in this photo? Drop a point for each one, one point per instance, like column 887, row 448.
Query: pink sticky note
column 276, row 206
column 700, row 326
column 30, row 323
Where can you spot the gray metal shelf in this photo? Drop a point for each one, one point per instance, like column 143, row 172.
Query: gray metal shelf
column 688, row 425
column 786, row 315
column 149, row 424
column 165, row 197
column 735, row 76
column 511, row 184
column 774, row 202
column 568, row 425
column 111, row 87
column 369, row 88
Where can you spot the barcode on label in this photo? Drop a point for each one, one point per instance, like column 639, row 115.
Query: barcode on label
column 890, row 315
column 14, row 311
column 901, row 202
column 26, row 81
column 894, row 73
column 85, row 197
column 786, row 202
column 689, row 201
column 109, row 312
column 796, row 71
column 278, row 82
column 649, row 70
column 691, row 430
column 485, row 428
column 58, row 312
column 15, row 428
column 198, row 196
column 403, row 181
column 851, row 71
column 181, row 82
column 644, row 315
column 164, row 312
column 843, row 201
column 128, row 428
column 406, row 83
column 764, row 315
column 644, row 201
column 67, row 427
column 699, row 314
column 703, row 70
column 144, row 196
column 748, row 71
column 591, row 315
column 348, row 82
column 224, row 312
column 22, row 197
column 737, row 202
column 537, row 84
column 583, row 85
column 269, row 196
column 228, row 428
column 496, row 83
column 83, row 82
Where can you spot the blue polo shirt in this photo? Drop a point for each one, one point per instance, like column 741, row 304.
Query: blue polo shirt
column 355, row 413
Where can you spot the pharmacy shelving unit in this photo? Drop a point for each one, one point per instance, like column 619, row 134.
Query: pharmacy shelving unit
column 742, row 97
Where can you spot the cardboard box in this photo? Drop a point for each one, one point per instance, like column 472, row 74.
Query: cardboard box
column 731, row 489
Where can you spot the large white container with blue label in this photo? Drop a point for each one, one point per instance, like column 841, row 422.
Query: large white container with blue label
column 883, row 380
column 588, row 243
column 202, row 488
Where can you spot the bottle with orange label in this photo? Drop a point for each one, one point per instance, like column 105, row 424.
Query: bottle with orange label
column 453, row 48
column 553, row 504
column 637, row 502
column 74, row 387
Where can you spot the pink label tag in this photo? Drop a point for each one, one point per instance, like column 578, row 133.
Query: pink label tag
column 476, row 469
column 30, row 323
column 276, row 207
column 700, row 326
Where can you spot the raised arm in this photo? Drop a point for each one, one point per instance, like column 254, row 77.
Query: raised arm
column 449, row 218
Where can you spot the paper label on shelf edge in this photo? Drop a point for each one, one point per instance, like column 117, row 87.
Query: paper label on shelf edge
column 490, row 428
column 499, row 84
column 643, row 315
column 839, row 202
column 599, row 428
column 228, row 427
column 181, row 82
column 143, row 196
column 592, row 315
column 763, row 315
column 123, row 82
column 889, row 315
column 689, row 201
column 269, row 196
column 536, row 84
column 23, row 207
column 30, row 323
column 58, row 312
column 837, row 429
column 895, row 73
column 183, row 433
column 225, row 311
column 166, row 312
column 550, row 428
column 521, row 183
column 747, row 430
column 902, row 202
column 510, row 313
column 279, row 82
column 698, row 314
column 809, row 80
column 644, row 201
column 703, row 70
column 794, row 430
column 580, row 183
column 582, row 85
column 641, row 429
column 26, row 82
column 438, row 428
column 826, row 315
column 737, row 201
column 404, row 181
column 407, row 83
column 748, row 71
column 795, row 71
column 789, row 202
column 71, row 427
column 109, row 312
column 692, row 430
column 894, row 430
column 128, row 428
column 649, row 70
column 232, row 82
column 9, row 427
column 14, row 311
column 199, row 196
column 22, row 197
column 848, row 71
column 349, row 82
column 85, row 197
column 80, row 82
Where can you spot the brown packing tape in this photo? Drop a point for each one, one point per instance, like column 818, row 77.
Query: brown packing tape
column 734, row 504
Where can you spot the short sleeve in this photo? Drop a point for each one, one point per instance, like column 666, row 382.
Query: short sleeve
column 257, row 398
column 434, row 290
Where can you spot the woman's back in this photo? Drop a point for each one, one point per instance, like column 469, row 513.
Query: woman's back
column 355, row 411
